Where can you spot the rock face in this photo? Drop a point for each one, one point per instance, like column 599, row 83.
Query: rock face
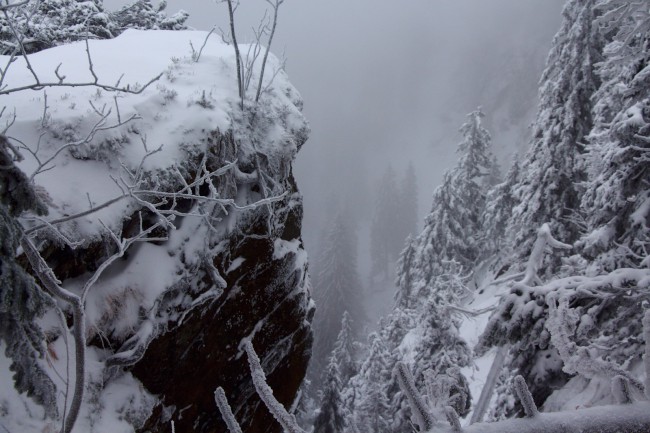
column 265, row 300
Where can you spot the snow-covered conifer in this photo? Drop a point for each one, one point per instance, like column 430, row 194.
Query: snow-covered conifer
column 404, row 279
column 142, row 14
column 372, row 409
column 408, row 206
column 337, row 288
column 22, row 302
column 498, row 210
column 47, row 23
column 452, row 230
column 330, row 418
column 617, row 197
column 384, row 225
column 548, row 190
column 344, row 350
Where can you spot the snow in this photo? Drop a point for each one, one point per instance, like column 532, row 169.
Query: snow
column 631, row 418
column 177, row 113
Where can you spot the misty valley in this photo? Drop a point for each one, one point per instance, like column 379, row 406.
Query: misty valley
column 435, row 219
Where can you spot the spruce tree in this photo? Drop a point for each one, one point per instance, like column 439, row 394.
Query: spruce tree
column 408, row 207
column 617, row 196
column 344, row 350
column 548, row 190
column 330, row 418
column 453, row 231
column 372, row 409
column 336, row 288
column 499, row 203
column 48, row 23
column 142, row 14
column 22, row 302
column 384, row 225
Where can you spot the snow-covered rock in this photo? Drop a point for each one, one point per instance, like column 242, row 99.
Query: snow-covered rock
column 165, row 321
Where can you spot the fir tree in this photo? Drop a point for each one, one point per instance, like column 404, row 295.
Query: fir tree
column 344, row 350
column 499, row 203
column 408, row 207
column 142, row 14
column 337, row 288
column 47, row 23
column 372, row 409
column 404, row 297
column 452, row 231
column 617, row 197
column 330, row 418
column 548, row 190
column 22, row 302
column 383, row 228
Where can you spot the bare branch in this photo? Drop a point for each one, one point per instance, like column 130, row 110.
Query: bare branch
column 52, row 284
column 13, row 5
column 276, row 5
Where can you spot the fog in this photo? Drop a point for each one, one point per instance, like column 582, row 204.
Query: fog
column 390, row 82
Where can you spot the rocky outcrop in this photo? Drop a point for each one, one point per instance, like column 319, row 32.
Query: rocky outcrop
column 264, row 300
column 222, row 261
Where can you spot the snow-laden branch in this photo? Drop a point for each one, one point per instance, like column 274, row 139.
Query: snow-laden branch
column 286, row 420
column 544, row 239
column 423, row 417
column 579, row 359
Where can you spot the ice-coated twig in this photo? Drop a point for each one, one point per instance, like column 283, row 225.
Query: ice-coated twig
column 525, row 397
column 646, row 355
column 423, row 418
column 197, row 55
column 275, row 5
column 621, row 390
column 52, row 284
column 452, row 418
column 286, row 420
column 226, row 412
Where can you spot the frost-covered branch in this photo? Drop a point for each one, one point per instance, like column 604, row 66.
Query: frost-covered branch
column 646, row 355
column 525, row 398
column 579, row 359
column 238, row 59
column 275, row 4
column 53, row 285
column 544, row 239
column 287, row 420
column 245, row 68
column 423, row 418
column 226, row 412
column 40, row 85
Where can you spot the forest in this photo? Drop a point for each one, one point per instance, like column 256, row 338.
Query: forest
column 154, row 273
